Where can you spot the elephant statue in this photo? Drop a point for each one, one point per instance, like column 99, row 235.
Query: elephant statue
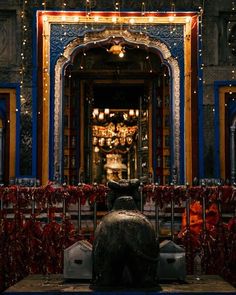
column 125, row 250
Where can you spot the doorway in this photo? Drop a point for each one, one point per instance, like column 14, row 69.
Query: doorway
column 116, row 116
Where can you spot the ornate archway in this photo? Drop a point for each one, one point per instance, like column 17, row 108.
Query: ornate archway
column 133, row 39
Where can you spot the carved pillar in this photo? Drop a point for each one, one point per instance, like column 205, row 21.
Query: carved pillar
column 232, row 153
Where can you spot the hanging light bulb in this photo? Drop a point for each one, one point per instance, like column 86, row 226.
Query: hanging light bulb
column 121, row 54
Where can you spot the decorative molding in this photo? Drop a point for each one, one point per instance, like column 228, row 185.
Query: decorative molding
column 129, row 37
column 7, row 38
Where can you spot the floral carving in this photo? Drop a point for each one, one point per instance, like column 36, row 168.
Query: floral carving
column 132, row 37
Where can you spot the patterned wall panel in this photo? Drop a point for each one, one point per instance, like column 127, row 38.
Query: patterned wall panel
column 7, row 38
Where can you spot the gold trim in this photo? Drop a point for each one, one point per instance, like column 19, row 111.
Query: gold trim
column 188, row 109
column 45, row 102
column 222, row 91
column 12, row 132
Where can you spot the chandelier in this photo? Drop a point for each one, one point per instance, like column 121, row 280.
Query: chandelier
column 117, row 49
column 114, row 131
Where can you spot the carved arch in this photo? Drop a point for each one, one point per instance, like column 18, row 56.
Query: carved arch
column 132, row 38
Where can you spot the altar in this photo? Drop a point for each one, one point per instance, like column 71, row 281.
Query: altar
column 55, row 284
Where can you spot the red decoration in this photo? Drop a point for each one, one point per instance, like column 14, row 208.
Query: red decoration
column 32, row 246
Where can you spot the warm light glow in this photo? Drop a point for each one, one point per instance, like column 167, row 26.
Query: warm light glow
column 106, row 111
column 96, row 112
column 132, row 21
column 114, row 19
column 121, row 54
column 63, row 18
column 171, row 18
column 188, row 19
column 101, row 116
column 76, row 18
column 116, row 49
column 150, row 19
column 96, row 149
column 96, row 18
column 131, row 112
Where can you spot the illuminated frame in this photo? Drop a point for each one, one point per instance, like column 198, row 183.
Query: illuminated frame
column 46, row 18
column 221, row 88
column 11, row 120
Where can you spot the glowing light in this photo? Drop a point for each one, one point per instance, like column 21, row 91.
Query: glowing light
column 188, row 19
column 171, row 18
column 150, row 19
column 132, row 21
column 63, row 18
column 76, row 18
column 96, row 149
column 121, row 54
column 45, row 18
column 114, row 19
column 96, row 18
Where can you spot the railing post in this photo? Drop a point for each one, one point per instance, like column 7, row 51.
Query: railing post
column 141, row 196
column 79, row 216
column 95, row 216
column 172, row 213
column 157, row 219
column 188, row 232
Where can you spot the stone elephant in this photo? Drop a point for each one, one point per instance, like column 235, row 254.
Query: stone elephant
column 125, row 249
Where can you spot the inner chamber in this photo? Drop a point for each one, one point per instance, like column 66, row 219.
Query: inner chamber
column 116, row 115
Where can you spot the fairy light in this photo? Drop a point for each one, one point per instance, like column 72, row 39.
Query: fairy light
column 171, row 18
column 46, row 62
column 114, row 19
column 96, row 18
column 132, row 21
column 200, row 31
column 188, row 19
column 233, row 7
column 150, row 19
column 143, row 9
column 76, row 18
column 88, row 8
column 22, row 52
column 117, row 5
column 63, row 20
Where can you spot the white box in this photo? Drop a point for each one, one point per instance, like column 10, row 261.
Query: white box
column 172, row 264
column 78, row 261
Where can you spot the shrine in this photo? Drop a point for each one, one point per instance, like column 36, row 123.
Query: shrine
column 94, row 92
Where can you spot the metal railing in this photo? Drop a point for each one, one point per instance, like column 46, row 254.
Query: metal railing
column 38, row 223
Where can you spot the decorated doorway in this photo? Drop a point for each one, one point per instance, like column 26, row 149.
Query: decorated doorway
column 65, row 40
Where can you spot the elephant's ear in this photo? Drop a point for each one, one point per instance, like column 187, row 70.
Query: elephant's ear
column 134, row 183
column 113, row 185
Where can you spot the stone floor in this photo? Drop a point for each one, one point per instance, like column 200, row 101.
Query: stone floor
column 55, row 284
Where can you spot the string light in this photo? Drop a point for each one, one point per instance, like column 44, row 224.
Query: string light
column 232, row 46
column 45, row 69
column 143, row 9
column 132, row 21
column 150, row 19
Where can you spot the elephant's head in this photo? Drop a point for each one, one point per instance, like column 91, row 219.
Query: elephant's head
column 124, row 195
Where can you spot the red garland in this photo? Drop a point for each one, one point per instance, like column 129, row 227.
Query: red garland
column 29, row 246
